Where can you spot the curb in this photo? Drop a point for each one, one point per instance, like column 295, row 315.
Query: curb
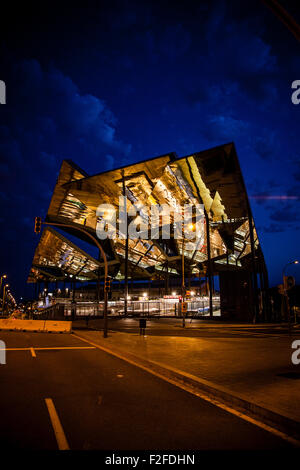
column 217, row 392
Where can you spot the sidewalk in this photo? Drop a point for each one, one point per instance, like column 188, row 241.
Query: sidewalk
column 258, row 370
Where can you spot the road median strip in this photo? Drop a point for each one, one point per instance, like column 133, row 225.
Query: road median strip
column 287, row 428
column 47, row 326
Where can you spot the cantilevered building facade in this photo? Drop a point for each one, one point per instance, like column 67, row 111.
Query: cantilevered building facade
column 230, row 247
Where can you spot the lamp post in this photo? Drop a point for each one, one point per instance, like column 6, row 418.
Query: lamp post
column 291, row 262
column 3, row 298
column 182, row 283
column 105, row 267
column 1, row 280
column 285, row 289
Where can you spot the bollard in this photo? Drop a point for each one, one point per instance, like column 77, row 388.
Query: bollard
column 143, row 323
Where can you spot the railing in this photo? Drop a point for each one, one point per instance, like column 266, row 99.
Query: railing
column 143, row 308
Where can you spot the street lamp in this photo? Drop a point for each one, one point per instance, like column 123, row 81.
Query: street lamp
column 105, row 266
column 1, row 280
column 3, row 298
column 291, row 262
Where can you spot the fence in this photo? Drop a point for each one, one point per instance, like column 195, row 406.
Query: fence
column 162, row 307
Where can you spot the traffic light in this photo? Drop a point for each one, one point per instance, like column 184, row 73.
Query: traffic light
column 37, row 224
column 107, row 284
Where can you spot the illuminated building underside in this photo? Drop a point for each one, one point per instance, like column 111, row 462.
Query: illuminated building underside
column 212, row 177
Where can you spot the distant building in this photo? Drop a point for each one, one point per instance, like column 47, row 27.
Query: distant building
column 230, row 247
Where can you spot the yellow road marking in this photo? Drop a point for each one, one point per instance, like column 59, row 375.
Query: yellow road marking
column 42, row 349
column 32, row 352
column 203, row 396
column 57, row 427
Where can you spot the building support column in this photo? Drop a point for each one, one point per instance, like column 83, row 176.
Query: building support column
column 126, row 249
column 209, row 267
column 254, row 275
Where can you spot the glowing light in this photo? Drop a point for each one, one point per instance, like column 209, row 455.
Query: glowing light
column 272, row 197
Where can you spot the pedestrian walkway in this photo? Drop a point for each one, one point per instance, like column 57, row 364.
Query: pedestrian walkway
column 257, row 369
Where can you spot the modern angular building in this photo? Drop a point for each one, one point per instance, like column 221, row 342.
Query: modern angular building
column 230, row 248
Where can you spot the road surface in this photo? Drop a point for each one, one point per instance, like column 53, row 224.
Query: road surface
column 75, row 398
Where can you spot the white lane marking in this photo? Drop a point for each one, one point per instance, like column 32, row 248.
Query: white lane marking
column 185, row 387
column 57, row 427
column 32, row 352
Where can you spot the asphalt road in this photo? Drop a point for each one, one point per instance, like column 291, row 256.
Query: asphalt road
column 103, row 402
column 193, row 328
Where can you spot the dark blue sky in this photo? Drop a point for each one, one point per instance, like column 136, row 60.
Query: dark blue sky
column 121, row 81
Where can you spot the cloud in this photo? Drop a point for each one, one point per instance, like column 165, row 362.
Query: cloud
column 273, row 228
column 296, row 173
column 110, row 162
column 225, row 128
column 264, row 145
column 175, row 41
column 236, row 51
column 287, row 213
column 49, row 119
column 46, row 120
